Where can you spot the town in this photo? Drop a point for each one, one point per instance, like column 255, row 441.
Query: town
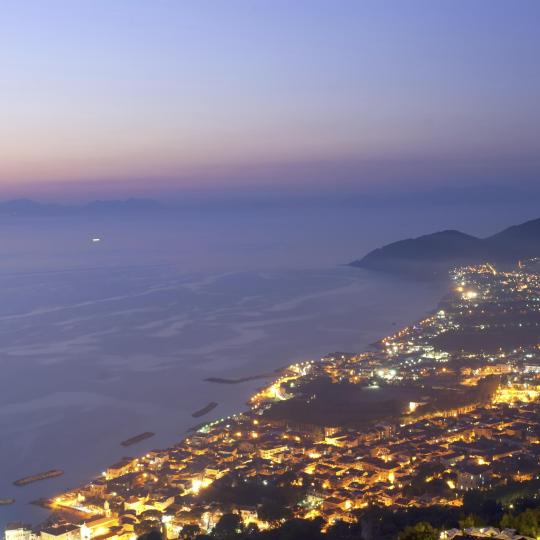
column 441, row 408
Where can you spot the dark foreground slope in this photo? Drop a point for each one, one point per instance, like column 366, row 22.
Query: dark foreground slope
column 433, row 254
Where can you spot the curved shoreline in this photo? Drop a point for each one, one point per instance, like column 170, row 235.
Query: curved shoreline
column 231, row 399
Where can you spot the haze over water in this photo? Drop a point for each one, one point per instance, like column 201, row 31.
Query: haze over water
column 102, row 341
column 294, row 137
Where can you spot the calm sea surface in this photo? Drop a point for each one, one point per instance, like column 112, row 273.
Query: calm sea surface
column 102, row 341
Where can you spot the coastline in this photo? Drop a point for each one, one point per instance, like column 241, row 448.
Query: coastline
column 233, row 397
column 234, row 381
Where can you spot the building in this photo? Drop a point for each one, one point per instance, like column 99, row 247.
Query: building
column 19, row 531
column 62, row 532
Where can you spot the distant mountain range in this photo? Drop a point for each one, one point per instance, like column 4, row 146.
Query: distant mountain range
column 433, row 254
column 29, row 208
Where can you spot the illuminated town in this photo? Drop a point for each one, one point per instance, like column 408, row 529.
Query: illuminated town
column 446, row 406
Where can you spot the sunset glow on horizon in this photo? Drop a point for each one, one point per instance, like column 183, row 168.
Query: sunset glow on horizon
column 197, row 95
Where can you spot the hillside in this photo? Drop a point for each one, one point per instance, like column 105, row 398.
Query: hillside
column 433, row 254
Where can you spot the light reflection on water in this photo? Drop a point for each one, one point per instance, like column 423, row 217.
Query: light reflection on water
column 96, row 351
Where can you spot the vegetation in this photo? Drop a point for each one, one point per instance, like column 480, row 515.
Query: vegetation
column 515, row 506
column 273, row 499
column 420, row 531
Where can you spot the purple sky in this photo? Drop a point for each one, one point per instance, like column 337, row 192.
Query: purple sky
column 163, row 98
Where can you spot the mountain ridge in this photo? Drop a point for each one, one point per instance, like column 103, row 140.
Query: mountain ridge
column 432, row 254
column 29, row 208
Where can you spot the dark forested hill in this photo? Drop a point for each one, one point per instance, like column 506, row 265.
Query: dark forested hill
column 433, row 254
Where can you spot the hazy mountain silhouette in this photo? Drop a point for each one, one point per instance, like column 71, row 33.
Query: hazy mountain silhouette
column 433, row 254
column 30, row 208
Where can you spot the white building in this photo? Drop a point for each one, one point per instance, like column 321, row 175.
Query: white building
column 18, row 531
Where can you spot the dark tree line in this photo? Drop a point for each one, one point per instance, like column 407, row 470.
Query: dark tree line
column 515, row 506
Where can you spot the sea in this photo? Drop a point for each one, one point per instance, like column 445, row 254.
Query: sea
column 102, row 340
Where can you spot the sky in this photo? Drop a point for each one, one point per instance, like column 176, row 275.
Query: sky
column 263, row 97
